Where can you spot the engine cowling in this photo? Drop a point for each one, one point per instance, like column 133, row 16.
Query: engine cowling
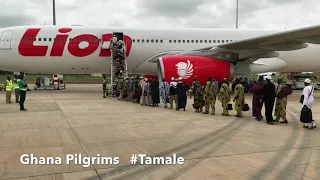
column 189, row 67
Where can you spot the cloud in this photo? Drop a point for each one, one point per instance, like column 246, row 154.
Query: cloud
column 270, row 14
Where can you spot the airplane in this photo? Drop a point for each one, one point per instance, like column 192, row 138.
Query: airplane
column 186, row 53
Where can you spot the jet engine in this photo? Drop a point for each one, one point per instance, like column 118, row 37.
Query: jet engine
column 189, row 67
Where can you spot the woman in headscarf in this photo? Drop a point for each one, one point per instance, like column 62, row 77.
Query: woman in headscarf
column 281, row 104
column 197, row 91
column 257, row 91
column 164, row 93
column 225, row 96
column 154, row 89
column 238, row 97
column 182, row 89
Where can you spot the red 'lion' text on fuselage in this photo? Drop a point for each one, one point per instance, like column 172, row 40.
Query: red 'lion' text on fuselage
column 27, row 48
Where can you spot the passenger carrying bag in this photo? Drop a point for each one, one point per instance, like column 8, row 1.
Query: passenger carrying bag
column 302, row 96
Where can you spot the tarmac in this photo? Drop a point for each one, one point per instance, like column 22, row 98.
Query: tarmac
column 78, row 120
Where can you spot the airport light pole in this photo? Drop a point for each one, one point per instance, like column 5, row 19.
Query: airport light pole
column 54, row 11
column 237, row 12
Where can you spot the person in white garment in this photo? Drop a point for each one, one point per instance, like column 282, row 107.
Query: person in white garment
column 308, row 100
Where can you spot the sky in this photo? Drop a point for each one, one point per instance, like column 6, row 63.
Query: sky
column 263, row 14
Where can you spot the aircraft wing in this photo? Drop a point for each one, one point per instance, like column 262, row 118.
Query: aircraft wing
column 264, row 46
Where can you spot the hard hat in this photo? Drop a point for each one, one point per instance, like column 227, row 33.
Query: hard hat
column 180, row 78
column 172, row 79
column 307, row 81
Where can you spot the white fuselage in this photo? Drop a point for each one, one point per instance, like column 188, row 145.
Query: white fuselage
column 10, row 59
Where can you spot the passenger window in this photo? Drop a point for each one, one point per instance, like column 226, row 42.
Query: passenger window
column 200, row 41
column 39, row 39
column 138, row 40
column 34, row 39
column 192, row 41
column 188, row 41
column 156, row 40
column 226, row 40
column 205, row 41
column 214, row 41
column 161, row 41
column 209, row 41
column 50, row 39
column 133, row 40
column 196, row 41
column 152, row 40
column 142, row 40
column 218, row 41
column 147, row 40
column 174, row 41
column 222, row 41
column 179, row 41
column 44, row 39
column 29, row 39
column 183, row 41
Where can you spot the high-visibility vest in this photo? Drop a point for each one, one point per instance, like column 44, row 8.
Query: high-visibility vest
column 21, row 88
column 15, row 85
column 9, row 85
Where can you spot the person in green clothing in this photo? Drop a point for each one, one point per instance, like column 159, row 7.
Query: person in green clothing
column 23, row 92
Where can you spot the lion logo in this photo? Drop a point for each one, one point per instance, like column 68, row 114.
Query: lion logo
column 185, row 69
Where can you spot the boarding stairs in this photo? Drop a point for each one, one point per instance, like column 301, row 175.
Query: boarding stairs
column 119, row 69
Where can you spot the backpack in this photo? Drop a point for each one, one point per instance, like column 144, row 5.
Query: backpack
column 173, row 90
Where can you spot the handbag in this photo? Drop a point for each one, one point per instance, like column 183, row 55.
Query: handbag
column 302, row 96
column 285, row 91
column 245, row 107
column 230, row 107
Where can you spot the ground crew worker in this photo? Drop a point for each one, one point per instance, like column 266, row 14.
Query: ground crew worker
column 23, row 91
column 173, row 97
column 225, row 96
column 210, row 94
column 8, row 87
column 16, row 89
column 197, row 91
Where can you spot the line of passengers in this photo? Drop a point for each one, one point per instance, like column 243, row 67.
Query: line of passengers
column 148, row 93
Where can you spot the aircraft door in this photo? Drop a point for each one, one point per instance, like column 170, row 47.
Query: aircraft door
column 5, row 39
